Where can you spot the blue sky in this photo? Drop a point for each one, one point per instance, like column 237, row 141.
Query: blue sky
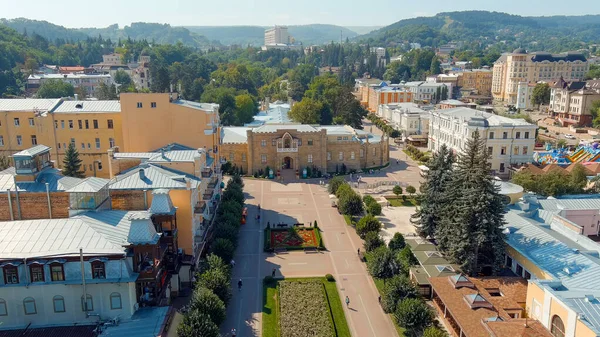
column 86, row 13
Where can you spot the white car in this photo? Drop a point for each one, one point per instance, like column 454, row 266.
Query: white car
column 568, row 136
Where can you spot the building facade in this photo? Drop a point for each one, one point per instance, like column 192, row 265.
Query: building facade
column 387, row 94
column 427, row 92
column 89, row 82
column 298, row 146
column 509, row 141
column 571, row 102
column 524, row 92
column 409, row 118
column 519, row 66
column 277, row 35
column 478, row 81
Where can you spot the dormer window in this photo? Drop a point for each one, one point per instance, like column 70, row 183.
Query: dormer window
column 11, row 274
column 98, row 270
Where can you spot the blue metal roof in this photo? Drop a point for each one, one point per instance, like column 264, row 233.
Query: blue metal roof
column 146, row 322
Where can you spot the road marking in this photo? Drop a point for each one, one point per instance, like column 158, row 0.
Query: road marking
column 347, row 264
column 237, row 327
column 367, row 315
column 297, row 263
column 338, row 238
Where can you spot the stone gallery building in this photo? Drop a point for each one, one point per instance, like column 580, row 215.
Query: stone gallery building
column 298, row 146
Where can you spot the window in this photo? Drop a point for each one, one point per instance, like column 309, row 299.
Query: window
column 57, row 272
column 29, row 306
column 263, row 143
column 243, row 157
column 56, row 124
column 516, row 151
column 328, row 155
column 352, row 155
column 152, row 105
column 518, row 135
column 501, row 167
column 80, row 124
column 504, row 135
column 19, row 140
column 139, row 105
column 490, row 150
column 339, row 138
column 97, row 143
column 503, row 150
column 11, row 275
column 263, row 158
column 345, row 137
column 99, row 166
column 494, row 292
column 59, row 304
column 37, row 272
column 1, row 141
column 65, row 146
column 62, row 124
column 526, row 134
column 491, row 135
column 88, row 304
column 109, row 123
column 73, row 141
column 98, row 270
column 374, row 151
column 310, row 142
column 95, row 121
column 524, row 150
column 70, row 124
column 90, row 167
column 87, row 124
column 31, row 122
column 231, row 156
column 362, row 153
column 558, row 327
column 509, row 261
column 115, row 301
column 341, row 156
column 527, row 275
column 273, row 142
column 33, row 140
column 519, row 270
column 310, row 158
column 299, row 142
column 83, row 146
column 111, row 142
column 3, row 311
column 17, row 123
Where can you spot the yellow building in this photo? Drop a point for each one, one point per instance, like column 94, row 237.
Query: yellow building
column 386, row 95
column 563, row 271
column 478, row 80
column 519, row 66
column 152, row 120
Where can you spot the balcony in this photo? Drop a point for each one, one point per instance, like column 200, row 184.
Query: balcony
column 287, row 149
column 200, row 207
column 208, row 194
column 213, row 182
column 207, row 172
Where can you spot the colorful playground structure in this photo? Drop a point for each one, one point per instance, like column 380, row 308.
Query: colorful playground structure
column 588, row 153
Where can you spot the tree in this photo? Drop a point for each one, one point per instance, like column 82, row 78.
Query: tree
column 433, row 331
column 122, row 78
column 367, row 224
column 428, row 215
column 381, row 263
column 197, row 324
column 373, row 241
column 55, row 89
column 397, row 190
column 374, row 208
column 81, row 92
column 470, row 233
column 406, row 258
column 411, row 190
column 226, row 231
column 397, row 242
column 350, row 203
column 217, row 281
column 4, row 162
column 72, row 163
column 335, row 183
column 31, row 65
column 223, row 248
column 106, row 92
column 205, row 301
column 541, row 94
column 307, row 111
column 245, row 108
column 435, row 67
column 395, row 290
column 414, row 315
column 593, row 73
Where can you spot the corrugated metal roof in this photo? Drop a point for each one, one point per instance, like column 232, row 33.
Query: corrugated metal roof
column 146, row 322
column 276, row 127
column 87, row 106
column 89, row 185
column 161, row 202
column 234, row 135
column 153, row 177
column 62, row 331
column 56, row 182
column 589, row 308
column 560, row 204
column 210, row 107
column 337, row 130
column 32, row 151
column 165, row 157
column 468, row 113
column 122, row 227
column 28, row 104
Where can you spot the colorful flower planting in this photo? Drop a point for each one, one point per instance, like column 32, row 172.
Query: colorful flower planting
column 288, row 238
column 304, row 309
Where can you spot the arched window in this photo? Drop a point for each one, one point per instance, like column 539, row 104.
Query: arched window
column 98, row 270
column 558, row 328
column 89, row 302
column 58, row 303
column 115, row 301
column 3, row 311
column 29, row 306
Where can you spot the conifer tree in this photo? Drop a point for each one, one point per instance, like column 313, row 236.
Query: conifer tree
column 432, row 190
column 470, row 232
column 72, row 163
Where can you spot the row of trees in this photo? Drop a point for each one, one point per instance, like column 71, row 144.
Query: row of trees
column 554, row 183
column 383, row 125
column 349, row 202
column 461, row 208
column 206, row 310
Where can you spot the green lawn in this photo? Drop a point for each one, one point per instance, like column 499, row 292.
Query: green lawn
column 270, row 324
column 400, row 202
column 379, row 285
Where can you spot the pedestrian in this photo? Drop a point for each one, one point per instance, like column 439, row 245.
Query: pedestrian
column 233, row 332
column 273, row 272
column 232, row 263
column 240, row 284
column 347, row 302
column 358, row 252
column 379, row 299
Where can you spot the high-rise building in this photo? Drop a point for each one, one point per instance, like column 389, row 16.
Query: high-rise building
column 277, row 35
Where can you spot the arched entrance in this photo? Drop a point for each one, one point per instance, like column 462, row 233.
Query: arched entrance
column 288, row 163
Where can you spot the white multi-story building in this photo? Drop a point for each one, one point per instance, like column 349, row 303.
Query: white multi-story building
column 277, row 35
column 90, row 82
column 426, row 91
column 524, row 92
column 409, row 118
column 509, row 141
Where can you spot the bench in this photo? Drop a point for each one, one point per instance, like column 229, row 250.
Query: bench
column 299, row 225
column 281, row 225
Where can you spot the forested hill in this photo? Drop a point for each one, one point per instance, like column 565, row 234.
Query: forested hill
column 554, row 33
column 152, row 32
column 255, row 35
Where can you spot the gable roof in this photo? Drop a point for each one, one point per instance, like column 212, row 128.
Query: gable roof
column 56, row 181
column 27, row 104
column 150, row 176
column 89, row 185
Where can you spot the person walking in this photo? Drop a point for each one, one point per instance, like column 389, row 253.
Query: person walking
column 233, row 332
column 347, row 301
column 240, row 284
column 273, row 272
column 232, row 263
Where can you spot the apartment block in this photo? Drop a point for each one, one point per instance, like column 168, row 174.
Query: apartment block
column 89, row 82
column 571, row 102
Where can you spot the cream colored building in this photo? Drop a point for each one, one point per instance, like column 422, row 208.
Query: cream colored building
column 519, row 66
column 509, row 141
column 277, row 35
column 409, row 118
column 571, row 102
column 476, row 80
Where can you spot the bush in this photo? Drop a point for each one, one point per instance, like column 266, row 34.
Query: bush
column 330, row 278
column 205, row 301
column 397, row 242
column 350, row 203
column 433, row 331
column 217, row 281
column 395, row 290
column 397, row 190
column 411, row 190
column 381, row 263
column 414, row 315
column 335, row 183
column 196, row 324
column 373, row 241
column 374, row 209
column 367, row 199
column 367, row 224
column 223, row 248
column 344, row 190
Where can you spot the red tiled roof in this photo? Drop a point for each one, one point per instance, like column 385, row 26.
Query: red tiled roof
column 64, row 331
column 518, row 327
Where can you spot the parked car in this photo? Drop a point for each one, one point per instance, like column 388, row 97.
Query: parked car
column 568, row 136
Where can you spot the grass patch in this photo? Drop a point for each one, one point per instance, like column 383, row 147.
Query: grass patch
column 348, row 219
column 379, row 286
column 271, row 307
column 399, row 202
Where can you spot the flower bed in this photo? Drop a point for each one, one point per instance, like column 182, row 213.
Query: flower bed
column 301, row 238
column 304, row 310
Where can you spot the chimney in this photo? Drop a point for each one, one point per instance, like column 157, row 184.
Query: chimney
column 142, row 174
column 76, row 97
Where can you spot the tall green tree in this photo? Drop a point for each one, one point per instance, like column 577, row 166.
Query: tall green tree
column 541, row 94
column 106, row 92
column 207, row 302
column 55, row 89
column 435, row 67
column 428, row 214
column 395, row 290
column 470, row 231
column 414, row 315
column 72, row 163
column 197, row 324
column 307, row 111
column 245, row 108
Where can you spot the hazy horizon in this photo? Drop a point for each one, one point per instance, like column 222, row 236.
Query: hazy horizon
column 70, row 13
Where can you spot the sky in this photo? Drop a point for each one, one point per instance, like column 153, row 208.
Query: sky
column 86, row 13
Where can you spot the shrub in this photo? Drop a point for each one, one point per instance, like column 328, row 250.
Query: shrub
column 351, row 204
column 406, row 258
column 372, row 241
column 205, row 301
column 397, row 242
column 381, row 263
column 367, row 199
column 411, row 190
column 367, row 224
column 223, row 248
column 395, row 290
column 344, row 190
column 414, row 315
column 335, row 183
column 433, row 331
column 195, row 324
column 397, row 190
column 374, row 209
column 214, row 262
column 217, row 281
column 330, row 278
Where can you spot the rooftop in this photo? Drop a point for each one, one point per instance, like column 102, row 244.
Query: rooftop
column 56, row 181
column 553, row 204
column 277, row 113
column 89, row 185
column 68, row 76
column 27, row 104
column 491, row 119
column 32, row 151
column 453, row 102
column 168, row 156
column 150, row 176
column 195, row 105
column 146, row 322
column 87, row 106
column 62, row 331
